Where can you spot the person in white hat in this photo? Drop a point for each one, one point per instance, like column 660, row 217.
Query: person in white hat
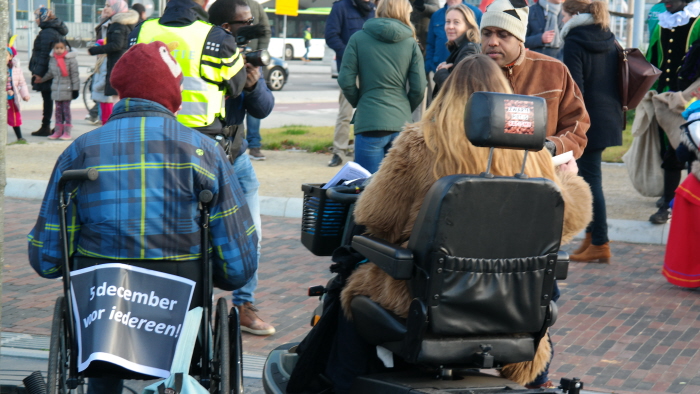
column 503, row 29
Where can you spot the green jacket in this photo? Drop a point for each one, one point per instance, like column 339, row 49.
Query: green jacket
column 386, row 62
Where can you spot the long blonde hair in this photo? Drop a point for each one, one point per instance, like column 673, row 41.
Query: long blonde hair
column 473, row 34
column 396, row 9
column 597, row 8
column 443, row 126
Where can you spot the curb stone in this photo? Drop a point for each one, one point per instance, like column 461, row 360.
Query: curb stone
column 619, row 230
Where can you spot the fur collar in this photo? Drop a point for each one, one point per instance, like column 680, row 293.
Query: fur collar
column 576, row 21
column 130, row 17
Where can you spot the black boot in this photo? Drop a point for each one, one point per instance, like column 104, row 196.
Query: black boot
column 672, row 178
column 44, row 131
column 335, row 161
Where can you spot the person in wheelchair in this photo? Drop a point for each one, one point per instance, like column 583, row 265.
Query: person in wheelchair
column 426, row 151
column 144, row 206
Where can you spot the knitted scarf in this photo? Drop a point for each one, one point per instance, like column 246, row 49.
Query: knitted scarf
column 61, row 61
column 364, row 7
column 552, row 12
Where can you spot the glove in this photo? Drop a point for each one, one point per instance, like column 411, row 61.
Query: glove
column 551, row 147
column 419, row 5
column 76, row 93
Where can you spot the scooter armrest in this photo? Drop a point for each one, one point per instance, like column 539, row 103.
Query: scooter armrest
column 392, row 259
column 562, row 269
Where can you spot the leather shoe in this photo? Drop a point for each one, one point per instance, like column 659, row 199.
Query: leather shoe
column 255, row 154
column 335, row 161
column 661, row 216
column 546, row 385
column 594, row 253
column 250, row 322
column 43, row 131
column 660, row 202
column 585, row 244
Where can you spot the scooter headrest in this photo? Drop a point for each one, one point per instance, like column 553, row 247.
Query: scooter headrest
column 510, row 121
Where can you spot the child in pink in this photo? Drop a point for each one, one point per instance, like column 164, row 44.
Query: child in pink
column 63, row 69
column 16, row 88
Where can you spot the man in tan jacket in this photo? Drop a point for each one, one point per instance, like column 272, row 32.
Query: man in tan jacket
column 503, row 28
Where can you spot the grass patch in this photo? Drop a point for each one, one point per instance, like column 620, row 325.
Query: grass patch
column 311, row 139
column 320, row 139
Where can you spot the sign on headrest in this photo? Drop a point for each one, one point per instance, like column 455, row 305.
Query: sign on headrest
column 502, row 120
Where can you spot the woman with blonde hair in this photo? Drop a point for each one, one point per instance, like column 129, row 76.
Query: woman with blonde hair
column 591, row 55
column 426, row 151
column 379, row 63
column 463, row 39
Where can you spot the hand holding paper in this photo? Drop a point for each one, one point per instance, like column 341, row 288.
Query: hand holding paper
column 565, row 162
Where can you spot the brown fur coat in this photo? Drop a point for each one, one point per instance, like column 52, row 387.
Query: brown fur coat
column 389, row 207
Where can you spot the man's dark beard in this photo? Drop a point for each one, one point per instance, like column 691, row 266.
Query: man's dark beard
column 363, row 6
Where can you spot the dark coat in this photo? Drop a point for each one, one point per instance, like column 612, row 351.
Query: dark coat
column 51, row 31
column 343, row 21
column 117, row 43
column 460, row 49
column 591, row 55
column 435, row 50
column 536, row 23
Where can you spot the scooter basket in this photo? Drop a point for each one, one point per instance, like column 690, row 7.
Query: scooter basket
column 323, row 221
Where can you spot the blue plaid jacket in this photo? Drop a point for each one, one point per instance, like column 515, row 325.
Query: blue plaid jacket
column 144, row 206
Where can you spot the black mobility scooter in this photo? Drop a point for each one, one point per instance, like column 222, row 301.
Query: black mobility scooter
column 481, row 265
column 219, row 368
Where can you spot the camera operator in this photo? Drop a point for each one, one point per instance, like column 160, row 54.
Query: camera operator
column 256, row 100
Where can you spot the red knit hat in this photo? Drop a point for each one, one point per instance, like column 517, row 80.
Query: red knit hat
column 148, row 71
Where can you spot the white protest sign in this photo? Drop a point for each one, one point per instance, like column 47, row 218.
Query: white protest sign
column 129, row 316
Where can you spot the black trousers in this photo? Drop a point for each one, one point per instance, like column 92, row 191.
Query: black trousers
column 672, row 167
column 590, row 171
column 48, row 108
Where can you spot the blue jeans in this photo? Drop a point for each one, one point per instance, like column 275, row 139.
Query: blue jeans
column 370, row 151
column 249, row 183
column 589, row 169
column 253, row 133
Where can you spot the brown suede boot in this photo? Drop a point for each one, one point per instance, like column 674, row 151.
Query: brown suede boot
column 585, row 244
column 250, row 322
column 594, row 253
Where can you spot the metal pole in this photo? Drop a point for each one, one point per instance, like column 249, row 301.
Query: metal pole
column 630, row 10
column 13, row 17
column 638, row 24
column 30, row 31
column 284, row 39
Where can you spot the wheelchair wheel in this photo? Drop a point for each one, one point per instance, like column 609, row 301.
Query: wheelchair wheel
column 87, row 93
column 60, row 352
column 221, row 363
column 234, row 326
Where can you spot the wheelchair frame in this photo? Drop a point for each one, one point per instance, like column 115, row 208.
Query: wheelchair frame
column 223, row 373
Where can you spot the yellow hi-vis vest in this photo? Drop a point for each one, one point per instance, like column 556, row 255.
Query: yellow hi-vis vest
column 202, row 102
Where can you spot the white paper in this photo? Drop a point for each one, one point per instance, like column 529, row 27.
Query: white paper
column 350, row 170
column 386, row 356
column 563, row 158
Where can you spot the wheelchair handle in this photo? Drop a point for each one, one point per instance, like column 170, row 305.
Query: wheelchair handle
column 87, row 174
column 344, row 194
column 205, row 196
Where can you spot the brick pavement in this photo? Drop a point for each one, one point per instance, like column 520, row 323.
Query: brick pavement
column 621, row 327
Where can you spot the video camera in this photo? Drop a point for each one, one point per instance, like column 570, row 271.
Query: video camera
column 257, row 58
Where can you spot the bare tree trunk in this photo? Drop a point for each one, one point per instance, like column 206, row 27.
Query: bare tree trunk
column 4, row 28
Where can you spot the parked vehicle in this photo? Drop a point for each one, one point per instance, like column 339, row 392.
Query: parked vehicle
column 276, row 74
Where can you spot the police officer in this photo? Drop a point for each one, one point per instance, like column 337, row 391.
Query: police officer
column 210, row 62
